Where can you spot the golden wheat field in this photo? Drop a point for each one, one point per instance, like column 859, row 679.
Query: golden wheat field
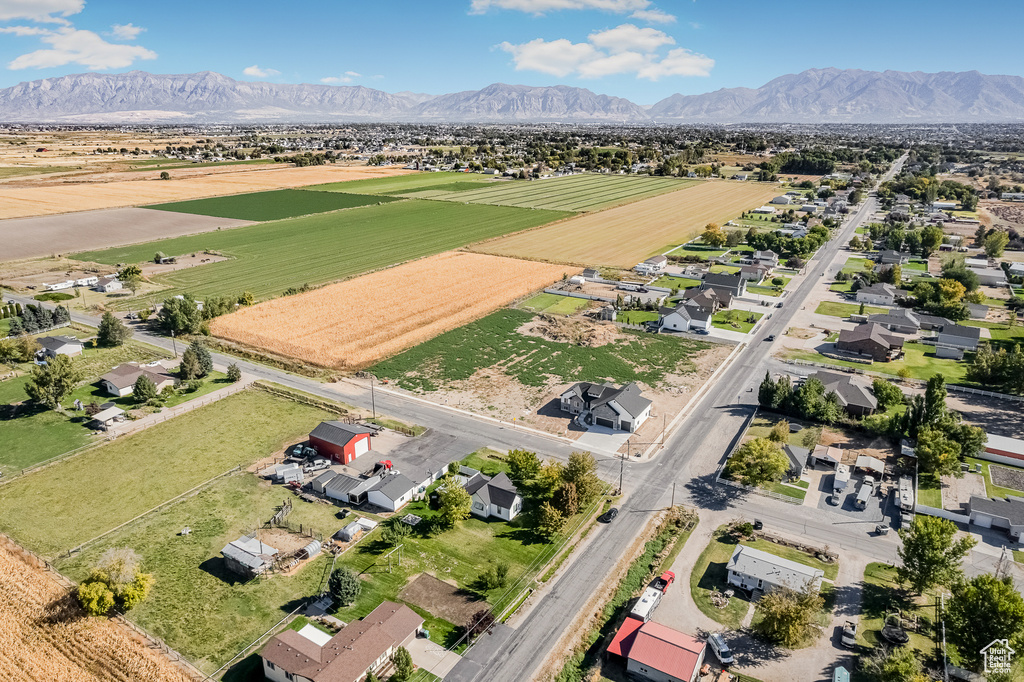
column 355, row 323
column 626, row 235
column 22, row 202
column 45, row 638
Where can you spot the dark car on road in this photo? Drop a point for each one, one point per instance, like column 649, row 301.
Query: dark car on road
column 609, row 515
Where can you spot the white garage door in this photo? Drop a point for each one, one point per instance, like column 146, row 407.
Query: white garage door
column 983, row 520
column 362, row 446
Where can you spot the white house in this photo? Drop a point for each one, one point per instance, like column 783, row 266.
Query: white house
column 607, row 405
column 877, row 294
column 782, row 200
column 494, row 497
column 108, row 284
column 767, row 257
column 52, row 346
column 683, row 318
column 651, row 265
column 391, row 492
column 752, row 569
column 120, row 381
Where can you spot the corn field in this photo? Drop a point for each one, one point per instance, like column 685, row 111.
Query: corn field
column 353, row 324
column 44, row 636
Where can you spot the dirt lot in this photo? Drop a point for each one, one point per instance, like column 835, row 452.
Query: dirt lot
column 44, row 636
column 25, row 201
column 63, row 234
column 1007, row 478
column 441, row 599
column 1004, row 214
column 626, row 235
column 956, row 492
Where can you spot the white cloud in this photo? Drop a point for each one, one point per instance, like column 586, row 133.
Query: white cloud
column 622, row 50
column 629, row 37
column 126, row 31
column 48, row 11
column 346, row 77
column 256, row 72
column 543, row 6
column 695, row 26
column 73, row 46
column 653, row 16
column 26, row 31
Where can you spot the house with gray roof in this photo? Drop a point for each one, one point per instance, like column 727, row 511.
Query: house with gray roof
column 248, row 557
column 870, row 340
column 1005, row 514
column 854, row 397
column 623, row 409
column 710, row 299
column 350, row 489
column 753, row 569
column 391, row 492
column 877, row 294
column 906, row 321
column 52, row 346
column 734, row 285
column 494, row 497
column 890, row 257
column 684, row 317
column 120, row 381
column 953, row 339
column 978, row 311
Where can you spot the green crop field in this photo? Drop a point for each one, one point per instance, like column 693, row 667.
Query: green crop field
column 459, row 353
column 553, row 304
column 270, row 257
column 399, row 184
column 64, row 505
column 273, row 205
column 576, row 193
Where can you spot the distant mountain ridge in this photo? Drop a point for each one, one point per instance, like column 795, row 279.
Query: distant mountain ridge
column 812, row 96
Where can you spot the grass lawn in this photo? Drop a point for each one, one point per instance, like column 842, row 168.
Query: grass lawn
column 831, row 570
column 921, row 266
column 636, row 316
column 918, row 359
column 854, row 264
column 767, row 289
column 882, row 596
column 554, row 304
column 762, row 426
column 727, row 269
column 670, row 282
column 459, row 353
column 929, row 491
column 788, row 491
column 709, row 574
column 76, row 500
column 698, row 249
column 842, row 287
column 270, row 257
column 272, row 205
column 1002, row 335
column 835, row 309
column 735, row 320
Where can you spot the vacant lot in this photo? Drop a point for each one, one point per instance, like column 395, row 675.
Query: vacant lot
column 62, row 234
column 73, row 501
column 270, row 257
column 273, row 205
column 578, row 193
column 46, row 637
column 21, row 202
column 628, row 234
column 333, row 326
column 553, row 304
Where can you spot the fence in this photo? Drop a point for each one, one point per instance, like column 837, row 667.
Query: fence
column 576, row 294
column 322, row 404
column 761, row 491
column 942, row 514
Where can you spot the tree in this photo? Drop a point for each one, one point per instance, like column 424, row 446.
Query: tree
column 190, row 367
column 403, row 665
column 982, row 610
column 567, row 499
column 779, row 432
column 496, row 576
column 246, row 298
column 581, row 471
column 454, row 500
column 164, row 175
column 930, row 556
column 181, row 315
column 116, row 580
column 523, row 465
column 931, row 238
column 887, row 394
column 52, row 382
column 714, row 236
column 935, row 399
column 950, row 290
column 20, row 349
column 758, row 462
column 549, row 478
column 112, row 331
column 144, row 389
column 899, row 664
column 995, row 243
column 203, row 357
column 937, row 453
column 96, row 598
column 394, row 532
column 550, row 521
column 344, row 585
column 479, row 623
column 129, row 271
column 234, row 374
column 790, row 617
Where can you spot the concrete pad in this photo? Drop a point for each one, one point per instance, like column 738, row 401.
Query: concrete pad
column 603, row 438
column 432, row 657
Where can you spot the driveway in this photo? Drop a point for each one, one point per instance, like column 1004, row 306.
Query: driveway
column 432, row 657
column 602, row 438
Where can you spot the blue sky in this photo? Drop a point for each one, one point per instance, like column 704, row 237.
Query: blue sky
column 644, row 50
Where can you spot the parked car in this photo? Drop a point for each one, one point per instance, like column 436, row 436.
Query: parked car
column 317, row 465
column 771, row 337
column 881, row 529
column 779, row 304
column 609, row 515
column 663, row 581
column 721, row 649
column 849, row 638
column 705, row 332
column 758, row 525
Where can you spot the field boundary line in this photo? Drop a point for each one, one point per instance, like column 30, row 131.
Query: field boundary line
column 79, row 548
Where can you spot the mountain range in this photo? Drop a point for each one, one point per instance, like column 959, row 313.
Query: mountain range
column 812, row 96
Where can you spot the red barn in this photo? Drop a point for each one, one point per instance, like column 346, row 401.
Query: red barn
column 340, row 441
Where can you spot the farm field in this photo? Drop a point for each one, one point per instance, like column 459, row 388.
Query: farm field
column 332, row 326
column 553, row 304
column 402, row 184
column 494, row 340
column 44, row 236
column 577, row 193
column 25, row 201
column 271, row 205
column 64, row 505
column 41, row 642
column 270, row 257
column 626, row 235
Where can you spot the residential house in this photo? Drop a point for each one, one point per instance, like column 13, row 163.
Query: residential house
column 361, row 647
column 624, row 408
column 877, row 294
column 350, row 489
column 711, row 300
column 656, row 652
column 108, row 284
column 906, row 321
column 684, row 318
column 734, row 285
column 809, row 208
column 990, row 277
column 754, row 273
column 591, row 273
column 890, row 257
column 797, row 459
column 953, row 339
column 1005, row 514
column 391, row 492
column 652, row 265
column 768, row 257
column 854, row 397
column 494, row 497
column 752, row 569
column 977, row 311
column 52, row 346
column 120, row 381
column 872, row 341
column 248, row 557
column 340, row 441
column 764, row 210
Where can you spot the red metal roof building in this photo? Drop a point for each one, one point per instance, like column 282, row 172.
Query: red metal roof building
column 657, row 652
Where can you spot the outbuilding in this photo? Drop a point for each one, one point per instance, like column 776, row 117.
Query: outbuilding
column 340, row 441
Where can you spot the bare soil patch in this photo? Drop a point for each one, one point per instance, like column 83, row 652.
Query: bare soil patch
column 855, row 444
column 578, row 331
column 801, row 333
column 441, row 599
column 284, row 541
column 956, row 492
column 1006, row 478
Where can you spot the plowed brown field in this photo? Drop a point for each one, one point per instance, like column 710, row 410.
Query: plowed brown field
column 355, row 323
column 626, row 235
column 21, row 202
column 44, row 638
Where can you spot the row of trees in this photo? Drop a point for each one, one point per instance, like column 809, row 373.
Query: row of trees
column 801, row 247
column 1001, row 369
column 35, row 319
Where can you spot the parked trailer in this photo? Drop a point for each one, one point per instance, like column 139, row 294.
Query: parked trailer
column 644, row 608
column 864, row 494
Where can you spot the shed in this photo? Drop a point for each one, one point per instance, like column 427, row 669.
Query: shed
column 310, row 550
column 106, row 418
column 349, row 532
column 340, row 441
column 248, row 556
column 322, row 480
column 869, row 463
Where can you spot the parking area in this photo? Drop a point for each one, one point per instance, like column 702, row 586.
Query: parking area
column 876, row 509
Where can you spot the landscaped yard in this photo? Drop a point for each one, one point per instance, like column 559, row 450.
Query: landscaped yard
column 844, row 310
column 71, row 502
column 553, row 304
column 762, row 426
column 918, row 359
column 670, row 282
column 882, row 596
column 735, row 320
column 1003, row 336
column 1006, row 475
column 636, row 316
column 929, row 491
column 767, row 288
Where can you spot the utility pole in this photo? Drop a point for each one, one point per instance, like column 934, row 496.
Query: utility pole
column 173, row 344
column 373, row 401
column 622, row 465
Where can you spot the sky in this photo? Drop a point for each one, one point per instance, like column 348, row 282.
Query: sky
column 644, row 50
